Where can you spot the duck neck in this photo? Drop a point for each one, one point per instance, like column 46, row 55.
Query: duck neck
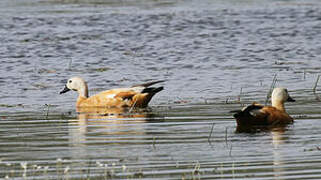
column 83, row 95
column 278, row 105
column 83, row 90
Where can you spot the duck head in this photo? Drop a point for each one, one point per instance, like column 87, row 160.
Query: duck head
column 281, row 95
column 76, row 84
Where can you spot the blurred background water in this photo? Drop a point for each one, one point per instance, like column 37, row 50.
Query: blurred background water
column 211, row 54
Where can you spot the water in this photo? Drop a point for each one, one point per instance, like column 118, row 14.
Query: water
column 215, row 56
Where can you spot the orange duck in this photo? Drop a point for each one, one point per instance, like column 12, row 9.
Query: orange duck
column 259, row 115
column 135, row 96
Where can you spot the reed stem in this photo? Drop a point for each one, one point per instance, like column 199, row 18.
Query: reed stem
column 271, row 89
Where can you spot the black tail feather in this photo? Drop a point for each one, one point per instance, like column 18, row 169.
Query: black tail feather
column 153, row 90
column 245, row 112
column 148, row 83
column 237, row 113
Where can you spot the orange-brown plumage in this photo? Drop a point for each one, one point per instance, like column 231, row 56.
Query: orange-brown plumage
column 262, row 116
column 276, row 116
column 259, row 115
column 137, row 96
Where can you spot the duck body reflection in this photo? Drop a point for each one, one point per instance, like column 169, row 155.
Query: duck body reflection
column 106, row 130
column 90, row 118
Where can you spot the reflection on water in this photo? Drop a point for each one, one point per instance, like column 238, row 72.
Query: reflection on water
column 103, row 126
column 258, row 129
column 108, row 121
column 278, row 161
column 115, row 143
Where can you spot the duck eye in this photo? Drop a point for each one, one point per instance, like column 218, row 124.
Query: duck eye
column 70, row 81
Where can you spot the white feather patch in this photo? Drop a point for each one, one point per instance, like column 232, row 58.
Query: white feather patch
column 138, row 89
column 111, row 96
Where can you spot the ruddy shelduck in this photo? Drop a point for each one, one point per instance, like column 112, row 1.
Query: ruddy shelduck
column 259, row 115
column 135, row 96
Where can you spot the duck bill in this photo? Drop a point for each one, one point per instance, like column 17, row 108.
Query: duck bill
column 290, row 99
column 64, row 90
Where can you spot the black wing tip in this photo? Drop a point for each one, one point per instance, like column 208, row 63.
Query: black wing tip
column 246, row 111
column 252, row 107
column 159, row 89
column 149, row 83
column 237, row 113
column 153, row 90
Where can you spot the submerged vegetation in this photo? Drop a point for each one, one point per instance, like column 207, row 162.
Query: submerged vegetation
column 66, row 169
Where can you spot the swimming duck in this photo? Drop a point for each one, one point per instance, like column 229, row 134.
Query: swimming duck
column 259, row 115
column 135, row 96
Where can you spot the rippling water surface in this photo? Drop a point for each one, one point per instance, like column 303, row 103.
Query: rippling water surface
column 216, row 56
